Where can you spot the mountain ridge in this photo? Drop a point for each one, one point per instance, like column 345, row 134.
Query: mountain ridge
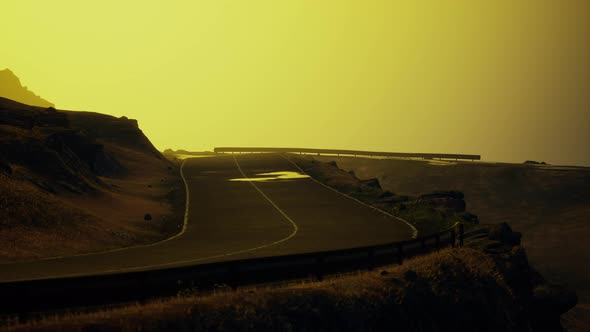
column 12, row 88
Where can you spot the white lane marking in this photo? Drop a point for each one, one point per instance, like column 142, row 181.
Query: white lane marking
column 295, row 227
column 147, row 267
column 182, row 231
column 414, row 230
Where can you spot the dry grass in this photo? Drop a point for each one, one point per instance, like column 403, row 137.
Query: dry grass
column 458, row 290
column 36, row 224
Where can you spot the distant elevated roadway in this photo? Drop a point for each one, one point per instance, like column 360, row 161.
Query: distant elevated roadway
column 347, row 152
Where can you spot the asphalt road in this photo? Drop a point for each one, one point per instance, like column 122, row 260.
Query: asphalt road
column 238, row 219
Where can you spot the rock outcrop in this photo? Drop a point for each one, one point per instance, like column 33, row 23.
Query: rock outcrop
column 452, row 200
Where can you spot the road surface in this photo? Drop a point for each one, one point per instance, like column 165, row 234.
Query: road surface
column 231, row 218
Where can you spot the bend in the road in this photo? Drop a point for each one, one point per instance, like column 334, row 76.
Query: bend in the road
column 414, row 230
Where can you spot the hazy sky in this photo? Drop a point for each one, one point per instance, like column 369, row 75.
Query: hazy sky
column 506, row 79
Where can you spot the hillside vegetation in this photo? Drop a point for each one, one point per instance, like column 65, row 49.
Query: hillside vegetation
column 76, row 182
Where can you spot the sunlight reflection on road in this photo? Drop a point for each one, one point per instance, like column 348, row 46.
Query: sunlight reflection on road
column 272, row 176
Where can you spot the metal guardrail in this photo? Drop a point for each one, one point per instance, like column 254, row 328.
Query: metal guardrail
column 347, row 152
column 25, row 297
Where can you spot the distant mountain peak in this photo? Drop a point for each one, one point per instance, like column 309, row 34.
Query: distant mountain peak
column 12, row 88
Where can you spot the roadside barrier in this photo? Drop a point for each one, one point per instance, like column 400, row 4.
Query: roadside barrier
column 23, row 298
column 347, row 153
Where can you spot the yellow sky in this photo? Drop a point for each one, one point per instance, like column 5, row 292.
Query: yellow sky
column 506, row 79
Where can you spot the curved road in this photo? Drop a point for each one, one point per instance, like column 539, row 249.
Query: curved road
column 238, row 219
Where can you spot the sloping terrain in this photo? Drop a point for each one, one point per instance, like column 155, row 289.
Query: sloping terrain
column 74, row 182
column 549, row 204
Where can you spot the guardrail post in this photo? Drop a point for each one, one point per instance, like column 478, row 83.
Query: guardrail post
column 319, row 261
column 234, row 273
column 437, row 241
column 400, row 253
column 453, row 237
column 461, row 234
column 371, row 257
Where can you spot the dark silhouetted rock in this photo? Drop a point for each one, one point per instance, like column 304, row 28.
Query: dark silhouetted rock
column 443, row 194
column 470, row 218
column 386, row 194
column 450, row 200
column 373, row 183
column 410, row 275
column 532, row 162
column 5, row 168
column 147, row 217
column 503, row 233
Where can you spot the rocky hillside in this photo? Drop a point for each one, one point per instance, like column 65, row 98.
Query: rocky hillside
column 59, row 150
column 73, row 182
column 11, row 88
